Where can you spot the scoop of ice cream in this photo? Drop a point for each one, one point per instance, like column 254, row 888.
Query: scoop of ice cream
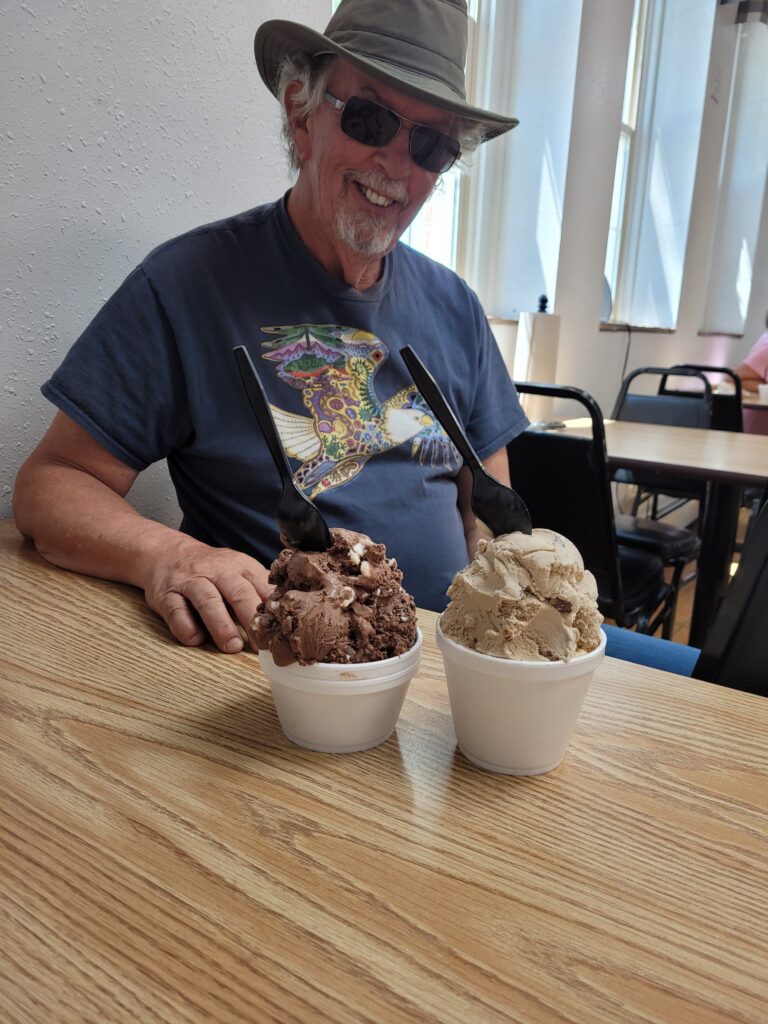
column 524, row 597
column 343, row 605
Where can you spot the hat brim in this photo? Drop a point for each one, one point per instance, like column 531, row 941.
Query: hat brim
column 277, row 39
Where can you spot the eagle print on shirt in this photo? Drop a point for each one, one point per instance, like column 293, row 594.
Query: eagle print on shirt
column 334, row 367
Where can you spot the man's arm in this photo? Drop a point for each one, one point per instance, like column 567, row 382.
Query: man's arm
column 70, row 500
column 498, row 466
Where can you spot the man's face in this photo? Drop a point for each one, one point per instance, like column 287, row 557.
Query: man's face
column 365, row 196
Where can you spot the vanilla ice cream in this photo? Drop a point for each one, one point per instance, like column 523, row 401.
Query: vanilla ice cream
column 524, row 597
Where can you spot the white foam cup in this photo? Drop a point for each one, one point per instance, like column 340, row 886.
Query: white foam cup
column 762, row 391
column 515, row 717
column 341, row 708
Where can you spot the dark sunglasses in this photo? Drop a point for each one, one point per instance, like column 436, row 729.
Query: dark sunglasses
column 375, row 125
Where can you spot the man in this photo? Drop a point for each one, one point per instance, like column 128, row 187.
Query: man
column 319, row 292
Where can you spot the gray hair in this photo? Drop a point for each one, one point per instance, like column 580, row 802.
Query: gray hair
column 313, row 76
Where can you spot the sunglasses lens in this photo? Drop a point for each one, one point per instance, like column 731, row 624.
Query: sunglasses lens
column 374, row 125
column 433, row 150
column 369, row 122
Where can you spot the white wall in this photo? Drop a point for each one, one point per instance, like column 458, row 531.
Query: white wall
column 123, row 124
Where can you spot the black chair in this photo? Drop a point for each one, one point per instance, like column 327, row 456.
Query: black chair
column 728, row 414
column 673, row 409
column 727, row 411
column 564, row 481
column 735, row 652
column 676, row 546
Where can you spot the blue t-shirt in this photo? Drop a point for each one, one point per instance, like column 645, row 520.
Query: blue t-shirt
column 153, row 376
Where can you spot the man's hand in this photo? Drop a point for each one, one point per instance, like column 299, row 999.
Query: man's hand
column 193, row 585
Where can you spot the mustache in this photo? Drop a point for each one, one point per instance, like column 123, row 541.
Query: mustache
column 380, row 183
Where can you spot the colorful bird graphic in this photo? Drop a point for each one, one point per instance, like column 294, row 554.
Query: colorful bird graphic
column 334, row 368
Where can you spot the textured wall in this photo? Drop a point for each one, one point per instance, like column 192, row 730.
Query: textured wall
column 122, row 125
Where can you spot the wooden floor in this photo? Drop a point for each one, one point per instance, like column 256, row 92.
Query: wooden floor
column 682, row 624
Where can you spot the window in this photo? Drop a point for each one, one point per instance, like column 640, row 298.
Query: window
column 626, row 138
column 435, row 229
column 657, row 159
column 516, row 190
column 741, row 185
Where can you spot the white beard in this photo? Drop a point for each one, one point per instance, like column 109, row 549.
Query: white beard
column 363, row 233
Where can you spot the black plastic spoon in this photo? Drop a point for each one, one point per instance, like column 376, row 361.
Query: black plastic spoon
column 301, row 524
column 495, row 504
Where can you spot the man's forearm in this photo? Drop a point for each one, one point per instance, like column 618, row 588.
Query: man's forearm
column 79, row 523
column 70, row 500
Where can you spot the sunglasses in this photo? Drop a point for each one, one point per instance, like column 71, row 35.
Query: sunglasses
column 375, row 125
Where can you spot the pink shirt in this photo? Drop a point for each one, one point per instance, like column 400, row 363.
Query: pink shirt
column 756, row 420
column 757, row 359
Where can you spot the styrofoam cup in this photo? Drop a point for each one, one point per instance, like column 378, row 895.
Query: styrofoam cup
column 338, row 709
column 762, row 391
column 515, row 717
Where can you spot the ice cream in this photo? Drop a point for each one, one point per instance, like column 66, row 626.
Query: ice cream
column 524, row 597
column 343, row 605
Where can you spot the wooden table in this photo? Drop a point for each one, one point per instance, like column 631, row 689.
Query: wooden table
column 724, row 459
column 752, row 400
column 167, row 856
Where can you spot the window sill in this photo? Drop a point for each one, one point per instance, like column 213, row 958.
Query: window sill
column 614, row 325
column 718, row 334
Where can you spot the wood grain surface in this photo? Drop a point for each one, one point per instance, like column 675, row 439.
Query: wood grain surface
column 752, row 400
column 167, row 856
column 701, row 454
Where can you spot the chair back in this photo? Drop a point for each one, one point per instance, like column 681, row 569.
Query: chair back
column 564, row 482
column 735, row 652
column 726, row 408
column 672, row 409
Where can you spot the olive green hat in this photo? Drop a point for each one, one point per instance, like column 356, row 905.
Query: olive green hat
column 416, row 46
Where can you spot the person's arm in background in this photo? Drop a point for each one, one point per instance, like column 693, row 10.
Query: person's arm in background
column 498, row 466
column 754, row 369
column 70, row 500
column 749, row 377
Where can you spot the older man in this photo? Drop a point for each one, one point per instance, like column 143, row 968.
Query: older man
column 317, row 288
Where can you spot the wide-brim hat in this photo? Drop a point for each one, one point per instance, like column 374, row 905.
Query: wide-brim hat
column 416, row 46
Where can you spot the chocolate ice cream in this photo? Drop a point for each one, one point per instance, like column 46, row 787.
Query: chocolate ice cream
column 343, row 605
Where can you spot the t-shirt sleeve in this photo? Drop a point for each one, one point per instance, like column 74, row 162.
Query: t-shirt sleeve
column 497, row 416
column 123, row 381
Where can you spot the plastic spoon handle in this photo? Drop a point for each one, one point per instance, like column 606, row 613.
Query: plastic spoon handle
column 260, row 405
column 430, row 390
column 301, row 522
